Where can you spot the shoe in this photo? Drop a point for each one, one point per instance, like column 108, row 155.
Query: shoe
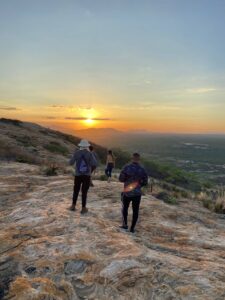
column 124, row 227
column 73, row 207
column 132, row 230
column 84, row 210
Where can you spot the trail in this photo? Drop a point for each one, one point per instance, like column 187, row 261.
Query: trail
column 49, row 252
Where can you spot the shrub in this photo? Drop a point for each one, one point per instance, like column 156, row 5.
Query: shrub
column 220, row 206
column 56, row 147
column 167, row 198
column 25, row 140
column 103, row 177
column 207, row 203
column 51, row 170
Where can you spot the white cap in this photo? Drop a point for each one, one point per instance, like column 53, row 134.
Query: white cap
column 84, row 144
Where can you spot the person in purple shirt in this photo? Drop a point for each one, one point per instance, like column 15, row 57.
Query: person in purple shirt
column 134, row 177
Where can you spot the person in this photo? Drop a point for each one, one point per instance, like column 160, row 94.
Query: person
column 84, row 161
column 91, row 149
column 110, row 164
column 134, row 177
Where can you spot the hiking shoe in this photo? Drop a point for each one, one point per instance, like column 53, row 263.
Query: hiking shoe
column 124, row 227
column 84, row 210
column 73, row 207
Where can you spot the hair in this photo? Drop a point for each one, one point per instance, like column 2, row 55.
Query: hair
column 136, row 156
column 110, row 152
column 91, row 148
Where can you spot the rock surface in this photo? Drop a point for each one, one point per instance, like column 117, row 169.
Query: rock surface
column 50, row 253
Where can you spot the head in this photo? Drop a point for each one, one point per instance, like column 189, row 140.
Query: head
column 110, row 152
column 84, row 144
column 136, row 157
column 91, row 148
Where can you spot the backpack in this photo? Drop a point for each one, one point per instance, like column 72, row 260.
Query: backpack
column 82, row 165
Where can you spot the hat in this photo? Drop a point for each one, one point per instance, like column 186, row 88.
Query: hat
column 84, row 144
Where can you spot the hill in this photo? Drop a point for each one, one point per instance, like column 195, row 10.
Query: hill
column 48, row 252
column 32, row 143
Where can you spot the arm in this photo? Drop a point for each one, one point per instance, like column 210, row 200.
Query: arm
column 123, row 175
column 73, row 158
column 144, row 178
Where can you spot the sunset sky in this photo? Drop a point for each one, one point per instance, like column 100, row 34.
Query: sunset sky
column 157, row 65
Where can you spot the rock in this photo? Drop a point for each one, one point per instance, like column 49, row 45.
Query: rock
column 49, row 252
column 74, row 267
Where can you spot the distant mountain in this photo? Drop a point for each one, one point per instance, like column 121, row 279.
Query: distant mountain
column 104, row 136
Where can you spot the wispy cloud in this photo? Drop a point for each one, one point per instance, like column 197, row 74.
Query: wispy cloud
column 83, row 119
column 57, row 106
column 201, row 90
column 9, row 108
column 85, row 107
column 51, row 118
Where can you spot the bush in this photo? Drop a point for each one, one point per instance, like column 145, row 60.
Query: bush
column 56, row 147
column 220, row 206
column 51, row 170
column 25, row 140
column 103, row 177
column 207, row 203
column 167, row 198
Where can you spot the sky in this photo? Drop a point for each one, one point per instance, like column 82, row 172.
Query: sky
column 157, row 65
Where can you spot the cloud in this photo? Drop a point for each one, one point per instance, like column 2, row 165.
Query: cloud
column 85, row 107
column 51, row 118
column 57, row 106
column 83, row 119
column 201, row 90
column 8, row 108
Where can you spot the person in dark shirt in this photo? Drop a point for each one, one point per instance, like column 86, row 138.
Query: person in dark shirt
column 84, row 161
column 134, row 178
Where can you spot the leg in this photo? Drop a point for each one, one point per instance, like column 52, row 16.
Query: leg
column 76, row 189
column 135, row 205
column 107, row 172
column 110, row 172
column 85, row 186
column 125, row 205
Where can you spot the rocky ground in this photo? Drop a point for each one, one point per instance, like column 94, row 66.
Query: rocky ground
column 50, row 253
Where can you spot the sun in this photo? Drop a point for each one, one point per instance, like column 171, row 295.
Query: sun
column 89, row 121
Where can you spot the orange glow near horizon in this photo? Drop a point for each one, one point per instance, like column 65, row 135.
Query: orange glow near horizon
column 121, row 118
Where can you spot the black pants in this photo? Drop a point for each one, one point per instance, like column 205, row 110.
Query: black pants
column 82, row 182
column 135, row 206
column 108, row 170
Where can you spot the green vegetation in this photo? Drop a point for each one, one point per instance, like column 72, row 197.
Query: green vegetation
column 174, row 175
column 122, row 157
column 167, row 198
column 56, row 147
column 18, row 154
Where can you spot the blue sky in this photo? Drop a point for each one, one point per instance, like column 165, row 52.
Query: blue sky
column 161, row 57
